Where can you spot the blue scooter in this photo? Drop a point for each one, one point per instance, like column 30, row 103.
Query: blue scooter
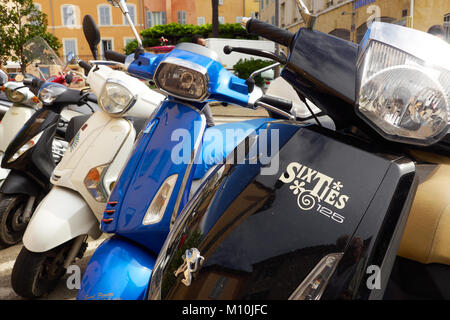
column 171, row 158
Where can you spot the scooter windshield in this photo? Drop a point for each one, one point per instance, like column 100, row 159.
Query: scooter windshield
column 42, row 61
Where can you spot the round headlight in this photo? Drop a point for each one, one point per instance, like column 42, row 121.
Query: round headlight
column 14, row 95
column 116, row 99
column 406, row 103
column 49, row 93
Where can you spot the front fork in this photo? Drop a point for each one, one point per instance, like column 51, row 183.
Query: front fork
column 77, row 250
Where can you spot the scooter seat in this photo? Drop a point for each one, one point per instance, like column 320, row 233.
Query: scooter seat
column 221, row 140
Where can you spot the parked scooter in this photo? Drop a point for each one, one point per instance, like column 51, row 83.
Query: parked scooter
column 335, row 212
column 83, row 180
column 39, row 146
column 157, row 181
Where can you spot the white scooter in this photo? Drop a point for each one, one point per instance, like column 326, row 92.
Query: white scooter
column 83, row 181
column 24, row 106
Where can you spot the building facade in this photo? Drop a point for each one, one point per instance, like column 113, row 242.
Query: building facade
column 197, row 12
column 349, row 19
column 65, row 19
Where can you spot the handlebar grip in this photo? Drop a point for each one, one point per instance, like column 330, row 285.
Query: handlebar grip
column 280, row 103
column 92, row 98
column 271, row 32
column 115, row 56
column 86, row 66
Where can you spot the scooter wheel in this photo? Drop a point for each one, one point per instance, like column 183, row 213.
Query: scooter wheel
column 36, row 274
column 12, row 227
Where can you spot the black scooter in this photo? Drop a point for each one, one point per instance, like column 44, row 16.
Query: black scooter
column 329, row 223
column 34, row 153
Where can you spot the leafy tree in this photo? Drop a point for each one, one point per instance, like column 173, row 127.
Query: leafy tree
column 244, row 68
column 20, row 21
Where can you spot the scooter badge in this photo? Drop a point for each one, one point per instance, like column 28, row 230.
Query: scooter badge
column 192, row 261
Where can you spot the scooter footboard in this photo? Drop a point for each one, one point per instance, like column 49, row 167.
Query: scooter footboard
column 118, row 270
column 61, row 216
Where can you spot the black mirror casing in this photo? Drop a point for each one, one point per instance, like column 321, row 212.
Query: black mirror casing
column 92, row 34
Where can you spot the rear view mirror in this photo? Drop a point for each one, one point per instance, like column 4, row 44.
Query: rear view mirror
column 70, row 58
column 92, row 34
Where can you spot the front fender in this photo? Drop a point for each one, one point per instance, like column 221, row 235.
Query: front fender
column 118, row 270
column 61, row 216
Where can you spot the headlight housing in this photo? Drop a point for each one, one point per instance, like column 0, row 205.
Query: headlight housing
column 404, row 91
column 50, row 92
column 115, row 98
column 182, row 79
column 27, row 146
column 14, row 95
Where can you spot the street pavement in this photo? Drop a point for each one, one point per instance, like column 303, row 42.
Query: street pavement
column 61, row 292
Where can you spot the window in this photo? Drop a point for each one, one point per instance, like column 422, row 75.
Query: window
column 38, row 6
column 104, row 13
column 69, row 45
column 222, row 20
column 132, row 12
column 447, row 26
column 181, row 17
column 220, row 2
column 201, row 21
column 34, row 15
column 106, row 44
column 68, row 15
column 262, row 4
column 273, row 20
column 404, row 13
column 155, row 18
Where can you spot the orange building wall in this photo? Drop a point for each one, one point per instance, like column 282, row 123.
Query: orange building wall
column 117, row 31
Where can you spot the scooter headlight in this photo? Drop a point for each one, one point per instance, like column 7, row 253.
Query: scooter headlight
column 115, row 98
column 27, row 146
column 50, row 92
column 404, row 93
column 14, row 95
column 182, row 79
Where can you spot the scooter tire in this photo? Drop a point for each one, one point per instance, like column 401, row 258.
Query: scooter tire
column 36, row 274
column 11, row 211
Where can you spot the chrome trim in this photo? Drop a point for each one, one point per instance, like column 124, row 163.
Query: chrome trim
column 189, row 167
column 276, row 110
column 254, row 96
column 185, row 64
column 124, row 85
column 432, row 50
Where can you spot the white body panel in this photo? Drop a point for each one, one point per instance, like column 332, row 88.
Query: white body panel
column 12, row 122
column 98, row 144
column 61, row 216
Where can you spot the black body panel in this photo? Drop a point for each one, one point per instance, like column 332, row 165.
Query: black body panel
column 36, row 163
column 323, row 68
column 261, row 235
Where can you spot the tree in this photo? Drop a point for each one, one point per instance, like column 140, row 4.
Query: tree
column 21, row 21
column 215, row 18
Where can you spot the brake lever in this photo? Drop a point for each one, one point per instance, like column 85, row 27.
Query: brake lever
column 255, row 52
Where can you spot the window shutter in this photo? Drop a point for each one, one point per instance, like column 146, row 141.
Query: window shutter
column 164, row 18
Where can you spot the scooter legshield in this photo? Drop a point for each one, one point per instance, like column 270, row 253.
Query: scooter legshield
column 118, row 270
column 61, row 216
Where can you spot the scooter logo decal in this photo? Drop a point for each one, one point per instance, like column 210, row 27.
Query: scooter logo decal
column 192, row 261
column 316, row 191
column 73, row 144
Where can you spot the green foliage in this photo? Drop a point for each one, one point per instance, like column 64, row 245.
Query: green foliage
column 244, row 68
column 19, row 23
column 176, row 33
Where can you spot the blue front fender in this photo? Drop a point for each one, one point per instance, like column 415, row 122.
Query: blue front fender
column 118, row 270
